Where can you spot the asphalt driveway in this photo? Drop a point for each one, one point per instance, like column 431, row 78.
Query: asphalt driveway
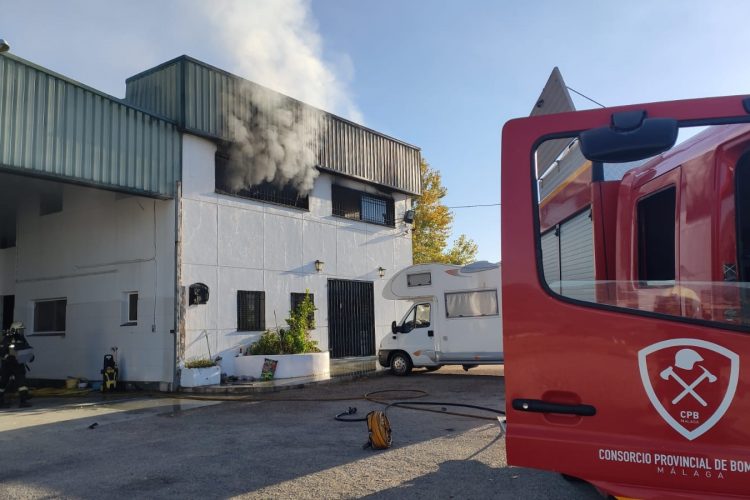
column 287, row 447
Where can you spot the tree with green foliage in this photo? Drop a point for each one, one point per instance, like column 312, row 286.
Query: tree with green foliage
column 432, row 225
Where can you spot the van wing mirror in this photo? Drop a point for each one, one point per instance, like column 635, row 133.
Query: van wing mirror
column 394, row 327
column 631, row 136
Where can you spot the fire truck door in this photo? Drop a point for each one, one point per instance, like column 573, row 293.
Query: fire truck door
column 630, row 393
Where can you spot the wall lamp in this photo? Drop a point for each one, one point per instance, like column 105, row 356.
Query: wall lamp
column 319, row 265
column 381, row 271
column 409, row 216
column 4, row 45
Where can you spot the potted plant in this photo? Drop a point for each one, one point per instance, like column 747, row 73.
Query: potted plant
column 295, row 353
column 200, row 371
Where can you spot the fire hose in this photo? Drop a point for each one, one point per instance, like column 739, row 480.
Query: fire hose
column 379, row 427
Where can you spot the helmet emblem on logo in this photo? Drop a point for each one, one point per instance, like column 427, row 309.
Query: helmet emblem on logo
column 690, row 382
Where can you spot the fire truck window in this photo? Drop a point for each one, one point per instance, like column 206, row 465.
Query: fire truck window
column 656, row 221
column 742, row 183
column 666, row 235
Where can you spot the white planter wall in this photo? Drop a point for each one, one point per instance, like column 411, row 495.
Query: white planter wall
column 195, row 377
column 289, row 365
column 232, row 244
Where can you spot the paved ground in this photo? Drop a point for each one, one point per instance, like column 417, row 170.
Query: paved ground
column 287, row 448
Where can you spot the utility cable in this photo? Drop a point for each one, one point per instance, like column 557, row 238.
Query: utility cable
column 481, row 205
column 585, row 97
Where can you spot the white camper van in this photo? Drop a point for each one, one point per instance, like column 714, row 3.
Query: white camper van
column 455, row 318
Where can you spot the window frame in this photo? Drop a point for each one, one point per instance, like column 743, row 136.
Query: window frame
column 127, row 320
column 256, row 299
column 270, row 193
column 458, row 292
column 536, row 228
column 409, row 276
column 411, row 314
column 54, row 332
column 296, row 299
column 347, row 194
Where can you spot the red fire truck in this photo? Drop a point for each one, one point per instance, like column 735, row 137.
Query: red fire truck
column 626, row 270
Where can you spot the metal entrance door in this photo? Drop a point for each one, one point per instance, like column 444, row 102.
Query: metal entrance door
column 351, row 318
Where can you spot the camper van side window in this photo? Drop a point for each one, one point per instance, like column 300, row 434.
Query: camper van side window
column 417, row 317
column 422, row 317
column 419, row 279
column 471, row 304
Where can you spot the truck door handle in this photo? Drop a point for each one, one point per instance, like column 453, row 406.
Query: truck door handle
column 539, row 406
column 430, row 333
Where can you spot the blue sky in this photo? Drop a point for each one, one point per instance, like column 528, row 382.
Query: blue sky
column 441, row 75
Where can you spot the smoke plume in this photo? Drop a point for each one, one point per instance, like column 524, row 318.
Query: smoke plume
column 275, row 43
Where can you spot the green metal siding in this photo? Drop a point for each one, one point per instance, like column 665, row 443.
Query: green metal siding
column 54, row 127
column 209, row 95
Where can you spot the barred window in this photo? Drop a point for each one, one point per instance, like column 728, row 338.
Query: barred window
column 251, row 311
column 265, row 191
column 357, row 205
column 297, row 299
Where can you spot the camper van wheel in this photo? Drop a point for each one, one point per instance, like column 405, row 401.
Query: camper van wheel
column 400, row 364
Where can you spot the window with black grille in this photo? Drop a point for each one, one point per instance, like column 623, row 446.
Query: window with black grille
column 251, row 311
column 358, row 205
column 297, row 299
column 266, row 191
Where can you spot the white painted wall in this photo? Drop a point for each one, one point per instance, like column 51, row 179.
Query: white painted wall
column 232, row 244
column 98, row 247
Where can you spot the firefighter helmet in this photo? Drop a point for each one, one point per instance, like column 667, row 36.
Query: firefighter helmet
column 686, row 358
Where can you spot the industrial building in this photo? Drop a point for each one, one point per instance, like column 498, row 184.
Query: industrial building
column 165, row 226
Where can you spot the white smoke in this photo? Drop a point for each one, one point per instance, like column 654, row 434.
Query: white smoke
column 275, row 43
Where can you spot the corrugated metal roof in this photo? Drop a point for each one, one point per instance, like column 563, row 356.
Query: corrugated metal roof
column 52, row 126
column 200, row 98
column 554, row 98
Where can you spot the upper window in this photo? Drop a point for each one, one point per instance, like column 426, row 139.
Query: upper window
column 251, row 311
column 358, row 205
column 266, row 191
column 49, row 316
column 471, row 304
column 419, row 279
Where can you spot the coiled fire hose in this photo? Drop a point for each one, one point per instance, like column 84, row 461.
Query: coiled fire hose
column 379, row 427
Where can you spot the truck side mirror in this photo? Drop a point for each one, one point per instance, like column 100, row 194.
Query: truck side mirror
column 394, row 327
column 631, row 136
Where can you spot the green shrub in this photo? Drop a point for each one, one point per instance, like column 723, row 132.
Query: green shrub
column 199, row 363
column 293, row 340
column 268, row 343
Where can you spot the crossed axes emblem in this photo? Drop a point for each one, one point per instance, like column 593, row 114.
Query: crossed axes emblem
column 686, row 360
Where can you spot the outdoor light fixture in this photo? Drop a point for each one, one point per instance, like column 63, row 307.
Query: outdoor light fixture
column 319, row 265
column 409, row 216
column 381, row 271
column 4, row 45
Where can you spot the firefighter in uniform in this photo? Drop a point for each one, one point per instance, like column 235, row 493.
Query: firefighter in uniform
column 15, row 352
